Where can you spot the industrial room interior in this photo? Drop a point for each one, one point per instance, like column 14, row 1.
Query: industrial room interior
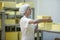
column 10, row 17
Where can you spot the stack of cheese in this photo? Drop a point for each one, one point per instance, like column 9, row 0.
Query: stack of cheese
column 7, row 4
column 10, row 21
column 56, row 27
column 13, row 35
column 44, row 25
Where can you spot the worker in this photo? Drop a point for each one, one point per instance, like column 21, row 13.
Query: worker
column 27, row 24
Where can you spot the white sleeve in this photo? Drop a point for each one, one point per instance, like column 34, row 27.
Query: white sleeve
column 26, row 22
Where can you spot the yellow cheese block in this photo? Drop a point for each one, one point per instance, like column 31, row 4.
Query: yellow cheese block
column 39, row 17
column 13, row 35
column 44, row 25
column 10, row 12
column 7, row 4
column 41, row 26
column 31, row 3
column 48, row 26
column 17, row 13
column 43, row 17
column 55, row 27
column 10, row 21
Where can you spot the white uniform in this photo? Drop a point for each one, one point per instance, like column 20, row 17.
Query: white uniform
column 26, row 29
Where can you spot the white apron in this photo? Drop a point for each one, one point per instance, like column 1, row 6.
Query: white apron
column 27, row 29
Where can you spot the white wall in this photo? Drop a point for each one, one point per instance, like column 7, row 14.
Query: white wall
column 48, row 7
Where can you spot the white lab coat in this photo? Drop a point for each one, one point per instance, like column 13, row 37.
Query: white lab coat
column 27, row 29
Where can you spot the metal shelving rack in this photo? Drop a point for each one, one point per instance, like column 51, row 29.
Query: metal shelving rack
column 3, row 21
column 12, row 9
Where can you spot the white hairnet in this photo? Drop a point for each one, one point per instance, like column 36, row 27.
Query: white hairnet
column 23, row 8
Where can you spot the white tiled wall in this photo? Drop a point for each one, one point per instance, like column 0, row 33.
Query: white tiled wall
column 48, row 7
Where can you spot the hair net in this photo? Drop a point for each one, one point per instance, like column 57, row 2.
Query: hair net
column 23, row 8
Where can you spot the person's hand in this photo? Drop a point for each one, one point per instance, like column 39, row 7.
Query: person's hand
column 46, row 20
column 49, row 20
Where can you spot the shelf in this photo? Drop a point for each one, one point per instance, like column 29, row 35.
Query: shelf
column 12, row 9
column 13, row 25
column 0, row 29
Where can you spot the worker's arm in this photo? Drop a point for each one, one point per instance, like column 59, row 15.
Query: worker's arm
column 39, row 21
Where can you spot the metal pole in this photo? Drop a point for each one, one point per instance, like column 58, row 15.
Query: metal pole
column 15, row 21
column 3, row 25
